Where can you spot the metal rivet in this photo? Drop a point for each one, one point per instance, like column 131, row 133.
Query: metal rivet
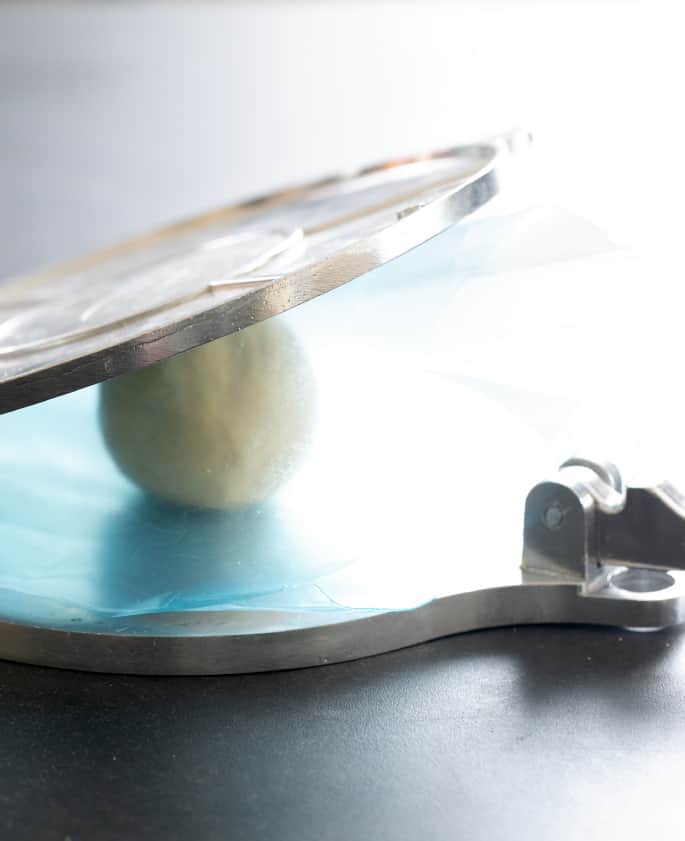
column 553, row 516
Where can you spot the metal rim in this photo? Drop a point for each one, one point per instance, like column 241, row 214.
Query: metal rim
column 210, row 651
column 415, row 226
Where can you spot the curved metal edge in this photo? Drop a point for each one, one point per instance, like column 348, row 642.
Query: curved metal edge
column 407, row 233
column 510, row 143
column 216, row 653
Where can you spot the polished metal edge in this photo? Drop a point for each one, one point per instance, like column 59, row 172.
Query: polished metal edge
column 423, row 223
column 209, row 651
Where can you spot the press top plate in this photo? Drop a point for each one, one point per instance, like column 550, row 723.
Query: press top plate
column 169, row 291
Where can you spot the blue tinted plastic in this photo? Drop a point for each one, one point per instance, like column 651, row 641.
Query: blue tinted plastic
column 378, row 516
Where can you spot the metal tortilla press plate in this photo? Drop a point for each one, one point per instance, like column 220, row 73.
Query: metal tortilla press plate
column 437, row 418
column 174, row 289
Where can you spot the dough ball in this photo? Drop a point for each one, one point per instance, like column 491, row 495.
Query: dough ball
column 220, row 426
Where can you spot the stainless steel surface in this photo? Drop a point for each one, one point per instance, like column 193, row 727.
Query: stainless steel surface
column 586, row 521
column 505, row 735
column 161, row 294
column 206, row 645
column 206, row 278
column 555, row 586
column 108, row 585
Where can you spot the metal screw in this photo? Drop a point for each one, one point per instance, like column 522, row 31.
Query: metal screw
column 553, row 516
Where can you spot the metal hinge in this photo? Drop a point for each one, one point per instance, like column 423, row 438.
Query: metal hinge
column 586, row 525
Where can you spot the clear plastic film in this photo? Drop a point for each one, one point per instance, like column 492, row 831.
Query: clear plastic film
column 444, row 384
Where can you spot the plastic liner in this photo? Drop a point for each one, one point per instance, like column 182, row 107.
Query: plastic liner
column 449, row 381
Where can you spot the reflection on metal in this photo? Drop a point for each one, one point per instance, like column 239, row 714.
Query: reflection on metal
column 587, row 525
column 594, row 552
column 362, row 552
column 181, row 287
column 152, row 290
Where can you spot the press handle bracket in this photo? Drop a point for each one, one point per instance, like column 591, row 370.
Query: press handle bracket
column 584, row 523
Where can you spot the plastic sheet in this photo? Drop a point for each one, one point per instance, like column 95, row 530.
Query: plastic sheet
column 448, row 382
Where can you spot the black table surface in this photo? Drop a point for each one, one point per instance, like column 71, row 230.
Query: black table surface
column 549, row 733
column 116, row 118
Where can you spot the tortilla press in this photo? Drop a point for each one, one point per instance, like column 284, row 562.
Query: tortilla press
column 371, row 461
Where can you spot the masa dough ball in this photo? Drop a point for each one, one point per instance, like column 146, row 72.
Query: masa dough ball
column 220, row 426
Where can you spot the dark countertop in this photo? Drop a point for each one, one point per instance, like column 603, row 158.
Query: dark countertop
column 120, row 117
column 524, row 733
